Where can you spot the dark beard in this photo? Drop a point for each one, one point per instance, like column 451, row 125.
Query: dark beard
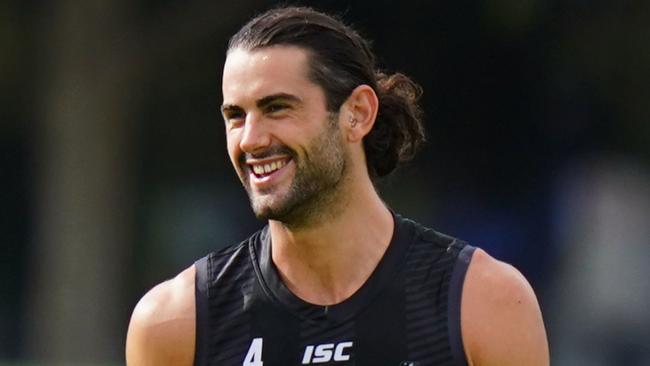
column 314, row 191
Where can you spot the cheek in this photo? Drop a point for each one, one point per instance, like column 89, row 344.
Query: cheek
column 232, row 144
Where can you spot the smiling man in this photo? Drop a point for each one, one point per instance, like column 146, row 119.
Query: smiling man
column 335, row 277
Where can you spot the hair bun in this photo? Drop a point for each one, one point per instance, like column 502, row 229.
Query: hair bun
column 398, row 130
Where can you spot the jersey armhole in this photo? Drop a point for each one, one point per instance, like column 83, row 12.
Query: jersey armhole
column 453, row 310
column 201, row 301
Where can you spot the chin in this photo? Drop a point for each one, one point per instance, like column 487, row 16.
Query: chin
column 276, row 212
column 265, row 209
column 261, row 211
column 267, row 213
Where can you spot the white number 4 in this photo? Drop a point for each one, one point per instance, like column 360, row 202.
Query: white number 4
column 254, row 355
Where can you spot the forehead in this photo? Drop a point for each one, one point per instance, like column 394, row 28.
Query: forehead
column 253, row 74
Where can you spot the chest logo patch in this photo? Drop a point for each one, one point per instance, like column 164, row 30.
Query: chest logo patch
column 322, row 353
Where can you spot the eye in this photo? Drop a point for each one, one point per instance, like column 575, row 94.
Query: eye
column 276, row 108
column 234, row 118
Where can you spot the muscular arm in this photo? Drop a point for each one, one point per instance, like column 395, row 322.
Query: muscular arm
column 501, row 321
column 162, row 327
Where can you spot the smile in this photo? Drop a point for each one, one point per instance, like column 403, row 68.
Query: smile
column 265, row 168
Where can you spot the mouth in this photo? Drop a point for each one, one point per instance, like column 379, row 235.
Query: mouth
column 264, row 169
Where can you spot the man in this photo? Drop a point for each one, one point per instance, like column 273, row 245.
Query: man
column 335, row 277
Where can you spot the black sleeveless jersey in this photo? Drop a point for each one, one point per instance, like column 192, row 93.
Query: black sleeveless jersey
column 406, row 314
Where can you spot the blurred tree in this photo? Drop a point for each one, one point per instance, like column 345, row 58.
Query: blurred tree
column 83, row 186
column 93, row 54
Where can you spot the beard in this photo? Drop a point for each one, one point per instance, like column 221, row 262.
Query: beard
column 315, row 188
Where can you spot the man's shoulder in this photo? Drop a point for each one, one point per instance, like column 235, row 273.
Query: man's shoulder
column 426, row 234
column 501, row 319
column 162, row 326
column 169, row 299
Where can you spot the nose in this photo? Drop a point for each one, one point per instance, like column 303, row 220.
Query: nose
column 255, row 135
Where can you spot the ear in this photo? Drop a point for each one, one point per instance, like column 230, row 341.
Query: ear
column 359, row 112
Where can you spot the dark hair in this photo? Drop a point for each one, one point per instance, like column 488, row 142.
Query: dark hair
column 340, row 60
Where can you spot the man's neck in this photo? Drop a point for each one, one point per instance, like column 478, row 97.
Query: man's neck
column 326, row 263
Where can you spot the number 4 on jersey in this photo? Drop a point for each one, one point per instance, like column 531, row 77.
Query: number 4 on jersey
column 254, row 355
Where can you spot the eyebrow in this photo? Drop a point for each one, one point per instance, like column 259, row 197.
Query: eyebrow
column 277, row 97
column 262, row 102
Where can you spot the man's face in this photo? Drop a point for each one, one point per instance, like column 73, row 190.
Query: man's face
column 285, row 146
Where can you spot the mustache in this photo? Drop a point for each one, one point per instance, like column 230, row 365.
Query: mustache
column 268, row 152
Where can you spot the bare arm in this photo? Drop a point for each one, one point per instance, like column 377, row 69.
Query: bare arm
column 162, row 327
column 501, row 321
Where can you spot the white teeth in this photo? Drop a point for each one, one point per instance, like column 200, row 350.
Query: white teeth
column 268, row 168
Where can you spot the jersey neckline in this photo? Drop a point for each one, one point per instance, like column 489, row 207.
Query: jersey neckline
column 386, row 271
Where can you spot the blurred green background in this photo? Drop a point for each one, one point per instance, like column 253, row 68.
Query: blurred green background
column 115, row 176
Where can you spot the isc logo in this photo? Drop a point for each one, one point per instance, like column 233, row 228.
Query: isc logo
column 327, row 352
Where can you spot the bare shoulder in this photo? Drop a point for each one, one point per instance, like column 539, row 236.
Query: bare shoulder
column 162, row 327
column 501, row 321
